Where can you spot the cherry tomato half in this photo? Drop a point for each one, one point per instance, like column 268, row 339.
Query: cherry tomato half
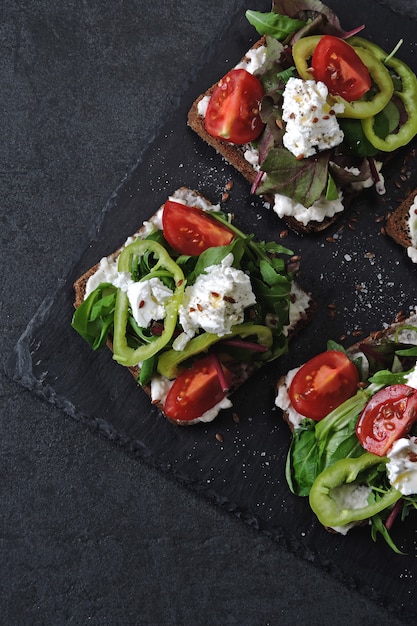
column 388, row 416
column 233, row 110
column 195, row 391
column 189, row 230
column 337, row 65
column 322, row 384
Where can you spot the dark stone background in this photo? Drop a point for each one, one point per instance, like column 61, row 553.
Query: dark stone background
column 89, row 534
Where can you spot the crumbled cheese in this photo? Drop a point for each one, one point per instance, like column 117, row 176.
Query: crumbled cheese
column 283, row 402
column 189, row 197
column 411, row 378
column 203, row 105
column 107, row 272
column 318, row 211
column 217, row 300
column 402, row 465
column 253, row 60
column 311, row 124
column 412, row 227
column 148, row 299
column 299, row 302
column 350, row 496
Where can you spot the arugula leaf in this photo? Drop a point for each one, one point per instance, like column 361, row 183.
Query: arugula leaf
column 278, row 26
column 315, row 12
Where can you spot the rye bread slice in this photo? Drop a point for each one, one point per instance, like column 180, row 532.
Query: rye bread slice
column 241, row 372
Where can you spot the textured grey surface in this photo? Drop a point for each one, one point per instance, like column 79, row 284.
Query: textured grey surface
column 89, row 534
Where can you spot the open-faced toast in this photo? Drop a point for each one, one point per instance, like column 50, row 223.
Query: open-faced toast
column 353, row 417
column 196, row 319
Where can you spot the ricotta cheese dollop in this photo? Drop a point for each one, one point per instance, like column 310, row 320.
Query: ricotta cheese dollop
column 216, row 301
column 402, row 465
column 311, row 124
column 148, row 299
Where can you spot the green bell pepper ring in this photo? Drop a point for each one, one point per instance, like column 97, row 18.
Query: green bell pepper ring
column 362, row 108
column 328, row 511
column 123, row 353
column 170, row 360
column 407, row 95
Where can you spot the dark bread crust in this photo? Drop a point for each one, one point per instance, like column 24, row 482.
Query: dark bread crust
column 240, row 372
column 234, row 154
column 396, row 225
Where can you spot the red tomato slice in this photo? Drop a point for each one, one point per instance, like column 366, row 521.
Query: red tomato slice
column 233, row 110
column 189, row 230
column 337, row 65
column 388, row 416
column 195, row 391
column 322, row 384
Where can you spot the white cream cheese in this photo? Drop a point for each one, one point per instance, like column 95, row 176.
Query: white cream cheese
column 311, row 124
column 412, row 227
column 318, row 211
column 253, row 60
column 402, row 465
column 216, row 301
column 107, row 272
column 349, row 496
column 148, row 299
column 411, row 378
column 283, row 402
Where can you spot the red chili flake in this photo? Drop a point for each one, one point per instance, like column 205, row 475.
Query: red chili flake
column 199, row 307
column 236, row 418
column 283, row 234
column 215, row 294
column 219, row 437
column 225, row 196
column 229, row 299
column 141, row 304
column 229, row 185
column 315, row 120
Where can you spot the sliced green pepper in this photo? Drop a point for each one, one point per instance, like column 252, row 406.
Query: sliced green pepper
column 343, row 472
column 359, row 109
column 123, row 353
column 407, row 95
column 170, row 360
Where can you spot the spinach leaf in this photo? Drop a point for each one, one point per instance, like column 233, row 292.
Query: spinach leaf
column 93, row 319
column 302, row 466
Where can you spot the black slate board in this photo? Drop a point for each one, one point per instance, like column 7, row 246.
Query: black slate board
column 363, row 273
